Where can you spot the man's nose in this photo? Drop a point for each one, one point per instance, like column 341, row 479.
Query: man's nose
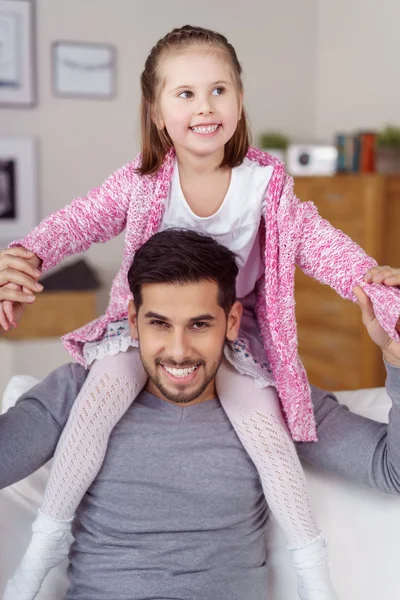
column 178, row 347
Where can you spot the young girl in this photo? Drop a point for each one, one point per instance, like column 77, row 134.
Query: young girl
column 197, row 171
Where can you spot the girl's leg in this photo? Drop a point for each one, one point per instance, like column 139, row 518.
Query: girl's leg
column 258, row 421
column 110, row 388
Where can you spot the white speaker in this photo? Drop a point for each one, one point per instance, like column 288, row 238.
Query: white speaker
column 311, row 159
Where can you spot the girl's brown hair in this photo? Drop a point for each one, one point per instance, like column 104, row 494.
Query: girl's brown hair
column 156, row 143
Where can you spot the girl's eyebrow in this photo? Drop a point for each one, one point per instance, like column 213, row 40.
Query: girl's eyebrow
column 184, row 87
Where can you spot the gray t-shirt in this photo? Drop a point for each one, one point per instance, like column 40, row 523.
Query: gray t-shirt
column 177, row 510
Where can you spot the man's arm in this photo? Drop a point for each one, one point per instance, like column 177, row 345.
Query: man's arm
column 365, row 451
column 358, row 448
column 29, row 431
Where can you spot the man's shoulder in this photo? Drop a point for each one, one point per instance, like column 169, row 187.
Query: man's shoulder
column 57, row 392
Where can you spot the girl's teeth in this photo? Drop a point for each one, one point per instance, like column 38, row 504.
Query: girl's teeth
column 180, row 372
column 209, row 129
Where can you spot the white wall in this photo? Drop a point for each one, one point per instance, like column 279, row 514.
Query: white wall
column 81, row 141
column 358, row 54
column 31, row 357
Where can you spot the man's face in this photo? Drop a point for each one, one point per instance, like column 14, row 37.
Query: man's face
column 181, row 331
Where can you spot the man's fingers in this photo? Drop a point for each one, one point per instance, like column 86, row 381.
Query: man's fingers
column 9, row 312
column 4, row 322
column 16, row 268
column 370, row 274
column 378, row 274
column 9, row 277
column 18, row 251
column 16, row 296
column 392, row 279
column 383, row 274
column 365, row 304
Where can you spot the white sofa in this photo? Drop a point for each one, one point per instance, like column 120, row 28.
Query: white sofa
column 362, row 526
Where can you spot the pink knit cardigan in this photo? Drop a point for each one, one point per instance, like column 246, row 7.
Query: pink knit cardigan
column 293, row 233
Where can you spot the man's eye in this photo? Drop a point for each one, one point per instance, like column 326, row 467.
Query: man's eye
column 158, row 323
column 186, row 94
column 199, row 325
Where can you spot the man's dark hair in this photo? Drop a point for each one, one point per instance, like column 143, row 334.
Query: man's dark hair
column 183, row 256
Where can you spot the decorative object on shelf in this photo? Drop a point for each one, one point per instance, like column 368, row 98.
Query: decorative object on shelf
column 18, row 187
column 275, row 143
column 76, row 276
column 356, row 152
column 388, row 150
column 311, row 159
column 84, row 70
column 17, row 53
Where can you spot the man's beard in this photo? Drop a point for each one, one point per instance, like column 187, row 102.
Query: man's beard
column 180, row 397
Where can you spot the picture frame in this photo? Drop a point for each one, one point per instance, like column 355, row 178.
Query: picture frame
column 18, row 187
column 84, row 70
column 17, row 53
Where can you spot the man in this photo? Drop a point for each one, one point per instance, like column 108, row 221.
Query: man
column 177, row 510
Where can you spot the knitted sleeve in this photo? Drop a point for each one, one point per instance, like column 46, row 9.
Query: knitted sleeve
column 97, row 217
column 331, row 257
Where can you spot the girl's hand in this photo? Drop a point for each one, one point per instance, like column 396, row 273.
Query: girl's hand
column 18, row 283
column 386, row 275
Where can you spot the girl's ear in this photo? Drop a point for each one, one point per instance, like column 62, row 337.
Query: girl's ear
column 157, row 118
column 240, row 104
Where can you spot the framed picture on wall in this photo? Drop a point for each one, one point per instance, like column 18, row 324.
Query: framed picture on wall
column 18, row 187
column 17, row 53
column 84, row 70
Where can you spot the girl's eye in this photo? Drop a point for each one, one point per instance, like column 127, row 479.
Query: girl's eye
column 186, row 94
column 218, row 91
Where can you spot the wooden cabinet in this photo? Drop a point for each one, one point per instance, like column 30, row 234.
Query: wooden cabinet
column 333, row 343
column 54, row 314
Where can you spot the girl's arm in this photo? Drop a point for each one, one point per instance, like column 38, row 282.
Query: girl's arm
column 97, row 217
column 331, row 257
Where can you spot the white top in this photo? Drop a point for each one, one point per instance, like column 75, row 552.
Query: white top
column 235, row 224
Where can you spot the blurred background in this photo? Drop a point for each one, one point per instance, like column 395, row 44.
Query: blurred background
column 321, row 85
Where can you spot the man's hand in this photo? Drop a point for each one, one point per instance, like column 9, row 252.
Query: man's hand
column 390, row 349
column 18, row 283
column 385, row 275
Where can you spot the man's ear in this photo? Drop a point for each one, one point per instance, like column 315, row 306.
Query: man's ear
column 132, row 320
column 233, row 321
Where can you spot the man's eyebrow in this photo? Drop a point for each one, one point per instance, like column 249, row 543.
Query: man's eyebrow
column 205, row 317
column 152, row 315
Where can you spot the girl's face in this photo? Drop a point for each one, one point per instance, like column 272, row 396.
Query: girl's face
column 199, row 103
